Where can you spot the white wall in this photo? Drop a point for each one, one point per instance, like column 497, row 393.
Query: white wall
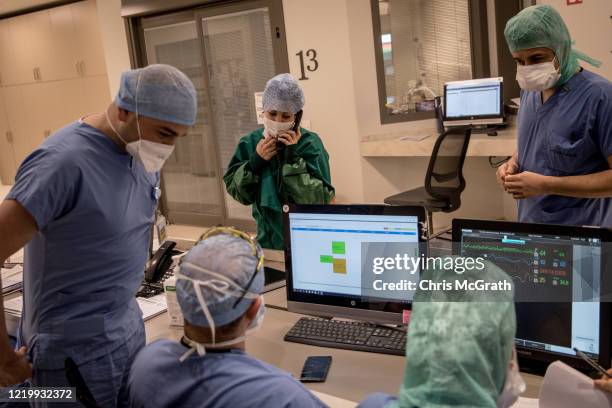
column 114, row 40
column 342, row 104
column 590, row 26
column 330, row 95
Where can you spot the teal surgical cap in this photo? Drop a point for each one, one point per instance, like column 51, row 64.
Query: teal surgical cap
column 459, row 342
column 542, row 26
column 214, row 262
column 158, row 91
column 283, row 94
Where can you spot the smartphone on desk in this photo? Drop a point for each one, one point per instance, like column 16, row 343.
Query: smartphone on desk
column 316, row 369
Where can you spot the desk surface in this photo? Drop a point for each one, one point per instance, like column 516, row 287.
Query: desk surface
column 353, row 374
column 388, row 145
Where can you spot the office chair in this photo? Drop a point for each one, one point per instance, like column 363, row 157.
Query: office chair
column 444, row 180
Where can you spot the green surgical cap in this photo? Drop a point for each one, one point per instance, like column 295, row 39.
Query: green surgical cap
column 542, row 26
column 459, row 343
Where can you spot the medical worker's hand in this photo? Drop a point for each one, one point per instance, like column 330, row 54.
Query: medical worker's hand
column 604, row 383
column 15, row 369
column 509, row 167
column 526, row 184
column 266, row 148
column 289, row 137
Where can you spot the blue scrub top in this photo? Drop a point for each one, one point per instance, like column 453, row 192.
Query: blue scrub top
column 569, row 135
column 94, row 206
column 218, row 379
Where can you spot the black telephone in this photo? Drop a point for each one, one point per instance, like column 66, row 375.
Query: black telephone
column 296, row 125
column 160, row 263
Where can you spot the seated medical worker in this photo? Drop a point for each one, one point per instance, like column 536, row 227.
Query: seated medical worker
column 460, row 347
column 218, row 288
column 276, row 165
column 561, row 173
column 83, row 205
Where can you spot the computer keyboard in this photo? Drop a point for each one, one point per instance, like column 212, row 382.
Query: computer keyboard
column 348, row 335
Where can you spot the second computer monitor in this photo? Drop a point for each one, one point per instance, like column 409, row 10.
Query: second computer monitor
column 474, row 102
column 560, row 284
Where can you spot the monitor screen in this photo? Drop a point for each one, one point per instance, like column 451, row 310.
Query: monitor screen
column 557, row 281
column 473, row 99
column 330, row 252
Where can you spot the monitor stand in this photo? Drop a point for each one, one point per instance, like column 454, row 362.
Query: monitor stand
column 490, row 130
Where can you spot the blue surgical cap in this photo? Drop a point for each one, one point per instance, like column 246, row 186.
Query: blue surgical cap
column 158, row 91
column 283, row 94
column 226, row 255
column 542, row 26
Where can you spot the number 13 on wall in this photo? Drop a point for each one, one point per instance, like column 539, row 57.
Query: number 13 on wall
column 310, row 65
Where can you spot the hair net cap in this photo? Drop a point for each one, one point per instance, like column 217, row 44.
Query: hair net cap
column 542, row 26
column 459, row 342
column 283, row 94
column 226, row 255
column 158, row 91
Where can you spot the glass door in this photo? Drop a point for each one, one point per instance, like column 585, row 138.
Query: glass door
column 190, row 177
column 229, row 51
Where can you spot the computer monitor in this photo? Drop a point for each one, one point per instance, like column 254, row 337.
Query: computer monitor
column 561, row 285
column 327, row 253
column 474, row 102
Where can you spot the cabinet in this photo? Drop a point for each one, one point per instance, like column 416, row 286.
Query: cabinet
column 52, row 72
column 89, row 39
column 49, row 45
column 8, row 167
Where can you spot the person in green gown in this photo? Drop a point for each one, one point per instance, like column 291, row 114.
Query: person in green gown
column 280, row 163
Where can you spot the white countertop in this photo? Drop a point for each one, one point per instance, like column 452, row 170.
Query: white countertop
column 390, row 145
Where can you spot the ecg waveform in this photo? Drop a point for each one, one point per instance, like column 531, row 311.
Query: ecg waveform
column 497, row 248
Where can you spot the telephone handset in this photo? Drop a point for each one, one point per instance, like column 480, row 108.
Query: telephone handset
column 160, row 263
column 296, row 125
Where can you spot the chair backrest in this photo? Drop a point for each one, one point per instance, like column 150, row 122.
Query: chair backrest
column 444, row 179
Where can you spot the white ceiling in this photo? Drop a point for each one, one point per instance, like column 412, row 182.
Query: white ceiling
column 9, row 6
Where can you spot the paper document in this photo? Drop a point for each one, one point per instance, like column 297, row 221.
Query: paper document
column 152, row 306
column 13, row 306
column 565, row 387
column 335, row 402
column 526, row 403
column 413, row 138
column 12, row 279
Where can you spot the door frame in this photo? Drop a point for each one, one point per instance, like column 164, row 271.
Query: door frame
column 135, row 27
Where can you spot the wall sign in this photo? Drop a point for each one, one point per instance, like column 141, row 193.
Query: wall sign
column 310, row 64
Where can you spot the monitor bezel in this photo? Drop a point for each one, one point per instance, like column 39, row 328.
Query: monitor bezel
column 475, row 119
column 539, row 359
column 351, row 307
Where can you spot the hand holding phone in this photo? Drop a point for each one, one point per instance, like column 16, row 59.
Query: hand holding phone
column 316, row 369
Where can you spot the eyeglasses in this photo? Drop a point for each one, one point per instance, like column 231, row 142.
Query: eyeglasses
column 257, row 252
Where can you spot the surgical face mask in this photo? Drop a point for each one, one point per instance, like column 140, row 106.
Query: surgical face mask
column 224, row 286
column 274, row 128
column 537, row 77
column 513, row 386
column 152, row 155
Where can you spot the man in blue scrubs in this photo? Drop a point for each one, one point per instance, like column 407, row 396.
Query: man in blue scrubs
column 561, row 173
column 83, row 205
column 218, row 288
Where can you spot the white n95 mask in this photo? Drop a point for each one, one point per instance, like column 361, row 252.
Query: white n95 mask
column 150, row 154
column 274, row 128
column 537, row 77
